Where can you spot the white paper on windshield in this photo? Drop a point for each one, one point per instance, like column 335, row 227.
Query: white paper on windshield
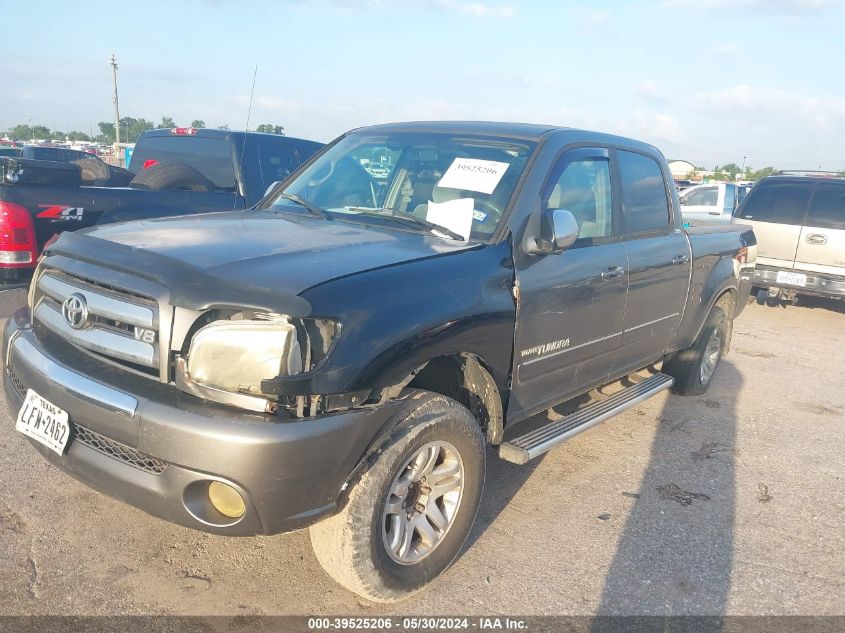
column 471, row 174
column 455, row 215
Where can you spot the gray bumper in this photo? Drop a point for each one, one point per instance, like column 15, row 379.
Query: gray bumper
column 817, row 283
column 156, row 448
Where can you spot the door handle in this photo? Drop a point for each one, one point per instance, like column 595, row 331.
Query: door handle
column 816, row 238
column 613, row 272
column 680, row 259
column 714, row 213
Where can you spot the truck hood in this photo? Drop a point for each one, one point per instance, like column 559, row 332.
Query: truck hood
column 253, row 258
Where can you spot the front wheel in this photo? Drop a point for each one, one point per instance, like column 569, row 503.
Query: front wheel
column 693, row 368
column 410, row 513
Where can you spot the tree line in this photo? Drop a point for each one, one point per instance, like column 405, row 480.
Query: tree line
column 730, row 172
column 130, row 130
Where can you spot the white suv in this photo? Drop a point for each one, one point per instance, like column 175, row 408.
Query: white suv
column 799, row 222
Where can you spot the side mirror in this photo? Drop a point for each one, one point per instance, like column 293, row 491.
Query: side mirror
column 271, row 187
column 558, row 231
column 682, row 199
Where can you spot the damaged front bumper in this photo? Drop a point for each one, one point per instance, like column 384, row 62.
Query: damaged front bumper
column 159, row 449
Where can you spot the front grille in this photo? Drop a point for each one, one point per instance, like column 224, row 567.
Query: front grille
column 102, row 444
column 121, row 326
column 118, row 451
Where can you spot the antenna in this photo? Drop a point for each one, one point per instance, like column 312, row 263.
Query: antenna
column 251, row 94
column 246, row 131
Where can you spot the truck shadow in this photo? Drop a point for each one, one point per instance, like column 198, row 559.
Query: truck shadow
column 812, row 303
column 674, row 555
column 503, row 482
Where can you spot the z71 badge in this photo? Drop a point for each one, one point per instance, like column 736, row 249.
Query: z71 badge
column 60, row 212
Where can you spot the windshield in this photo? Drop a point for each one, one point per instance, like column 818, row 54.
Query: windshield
column 419, row 181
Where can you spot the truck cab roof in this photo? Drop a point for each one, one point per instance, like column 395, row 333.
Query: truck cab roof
column 528, row 131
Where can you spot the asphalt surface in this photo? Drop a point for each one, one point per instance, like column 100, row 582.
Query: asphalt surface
column 727, row 503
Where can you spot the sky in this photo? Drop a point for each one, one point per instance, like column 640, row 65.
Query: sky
column 709, row 81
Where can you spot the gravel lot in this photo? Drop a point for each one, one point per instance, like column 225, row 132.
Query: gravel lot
column 728, row 503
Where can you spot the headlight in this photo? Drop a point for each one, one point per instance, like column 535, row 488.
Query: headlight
column 229, row 357
column 236, row 356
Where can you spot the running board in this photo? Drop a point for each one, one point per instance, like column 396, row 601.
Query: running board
column 526, row 447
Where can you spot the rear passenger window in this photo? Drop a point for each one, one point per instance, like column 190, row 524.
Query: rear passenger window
column 645, row 204
column 704, row 197
column 781, row 203
column 827, row 210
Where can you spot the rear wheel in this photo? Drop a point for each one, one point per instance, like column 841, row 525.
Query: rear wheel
column 693, row 368
column 408, row 516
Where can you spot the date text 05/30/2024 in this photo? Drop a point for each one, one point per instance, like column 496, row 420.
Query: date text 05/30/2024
column 418, row 623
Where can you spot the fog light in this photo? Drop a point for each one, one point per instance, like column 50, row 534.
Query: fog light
column 226, row 500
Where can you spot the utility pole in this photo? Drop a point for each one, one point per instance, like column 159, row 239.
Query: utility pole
column 113, row 63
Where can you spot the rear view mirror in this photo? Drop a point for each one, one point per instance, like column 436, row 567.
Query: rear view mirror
column 558, row 231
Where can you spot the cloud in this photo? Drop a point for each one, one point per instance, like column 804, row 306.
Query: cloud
column 474, row 9
column 657, row 125
column 728, row 48
column 793, row 8
column 650, row 91
column 598, row 17
column 743, row 100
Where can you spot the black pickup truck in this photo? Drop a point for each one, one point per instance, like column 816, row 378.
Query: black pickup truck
column 340, row 356
column 176, row 171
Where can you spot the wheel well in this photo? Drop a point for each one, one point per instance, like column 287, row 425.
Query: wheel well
column 464, row 378
column 727, row 301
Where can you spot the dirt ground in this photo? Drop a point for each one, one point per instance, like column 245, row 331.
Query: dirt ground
column 727, row 503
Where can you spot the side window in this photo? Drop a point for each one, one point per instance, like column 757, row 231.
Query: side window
column 583, row 188
column 730, row 199
column 645, row 204
column 703, row 197
column 781, row 203
column 277, row 162
column 827, row 210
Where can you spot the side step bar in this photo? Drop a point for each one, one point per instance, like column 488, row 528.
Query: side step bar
column 526, row 447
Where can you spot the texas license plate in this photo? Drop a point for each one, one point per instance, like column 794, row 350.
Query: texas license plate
column 44, row 422
column 793, row 279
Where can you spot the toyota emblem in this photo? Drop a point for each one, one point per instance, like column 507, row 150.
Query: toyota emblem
column 75, row 311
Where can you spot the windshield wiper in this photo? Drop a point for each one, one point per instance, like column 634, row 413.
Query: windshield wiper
column 384, row 212
column 313, row 209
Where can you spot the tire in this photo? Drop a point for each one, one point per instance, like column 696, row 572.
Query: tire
column 172, row 176
column 352, row 546
column 687, row 366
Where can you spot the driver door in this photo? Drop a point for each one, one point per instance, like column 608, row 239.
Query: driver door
column 572, row 304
